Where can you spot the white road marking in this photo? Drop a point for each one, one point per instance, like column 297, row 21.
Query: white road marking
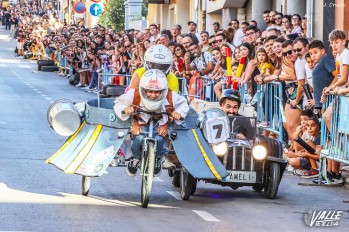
column 31, row 87
column 3, row 65
column 157, row 179
column 48, row 98
column 43, row 95
column 175, row 194
column 2, row 122
column 35, row 89
column 27, row 84
column 39, row 92
column 21, row 78
column 24, row 66
column 52, row 101
column 206, row 216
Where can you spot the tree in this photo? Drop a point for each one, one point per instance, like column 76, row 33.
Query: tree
column 114, row 15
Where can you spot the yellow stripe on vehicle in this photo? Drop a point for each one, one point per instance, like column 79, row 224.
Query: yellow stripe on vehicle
column 207, row 160
column 73, row 166
column 66, row 143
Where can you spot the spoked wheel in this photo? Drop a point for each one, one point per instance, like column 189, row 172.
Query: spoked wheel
column 187, row 184
column 86, row 184
column 147, row 171
column 273, row 181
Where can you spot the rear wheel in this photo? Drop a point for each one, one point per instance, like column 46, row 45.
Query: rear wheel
column 86, row 184
column 49, row 68
column 147, row 170
column 187, row 184
column 273, row 181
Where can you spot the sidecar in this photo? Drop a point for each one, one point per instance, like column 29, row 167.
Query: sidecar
column 95, row 136
column 232, row 154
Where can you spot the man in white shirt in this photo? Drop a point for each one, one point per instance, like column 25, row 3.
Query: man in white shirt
column 238, row 32
column 299, row 46
column 192, row 30
column 154, row 32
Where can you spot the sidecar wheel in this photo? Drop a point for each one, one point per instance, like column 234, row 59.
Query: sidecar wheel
column 187, row 182
column 86, row 184
column 273, row 181
column 176, row 179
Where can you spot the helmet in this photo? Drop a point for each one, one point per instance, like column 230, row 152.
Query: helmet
column 231, row 94
column 158, row 57
column 153, row 79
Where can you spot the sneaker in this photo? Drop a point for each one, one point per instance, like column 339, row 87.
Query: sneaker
column 337, row 179
column 157, row 167
column 290, row 168
column 132, row 167
column 311, row 174
column 95, row 91
column 78, row 85
column 299, row 172
column 316, row 181
column 168, row 164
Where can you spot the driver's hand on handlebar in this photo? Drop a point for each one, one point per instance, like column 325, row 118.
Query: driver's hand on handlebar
column 129, row 110
column 175, row 115
column 162, row 130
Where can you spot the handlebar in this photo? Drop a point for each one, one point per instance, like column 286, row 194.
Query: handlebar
column 149, row 112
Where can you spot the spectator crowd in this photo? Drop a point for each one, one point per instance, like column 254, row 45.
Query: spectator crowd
column 280, row 54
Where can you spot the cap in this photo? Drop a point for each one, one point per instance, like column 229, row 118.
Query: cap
column 192, row 22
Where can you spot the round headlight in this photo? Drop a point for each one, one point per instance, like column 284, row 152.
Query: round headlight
column 259, row 152
column 220, row 149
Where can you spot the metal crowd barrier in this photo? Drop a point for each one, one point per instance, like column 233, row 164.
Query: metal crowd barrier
column 107, row 75
column 270, row 111
column 335, row 141
column 203, row 89
column 64, row 65
column 243, row 93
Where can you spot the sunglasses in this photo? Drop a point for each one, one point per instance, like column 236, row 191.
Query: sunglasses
column 298, row 50
column 128, row 46
column 289, row 52
column 219, row 41
column 213, row 42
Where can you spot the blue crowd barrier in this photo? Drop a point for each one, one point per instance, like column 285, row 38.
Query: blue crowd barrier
column 270, row 111
column 203, row 89
column 335, row 140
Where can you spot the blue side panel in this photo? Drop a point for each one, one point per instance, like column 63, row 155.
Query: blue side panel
column 190, row 156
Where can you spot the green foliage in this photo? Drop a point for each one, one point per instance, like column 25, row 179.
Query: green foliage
column 145, row 9
column 114, row 15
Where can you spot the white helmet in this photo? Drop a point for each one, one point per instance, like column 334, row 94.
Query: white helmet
column 153, row 79
column 159, row 57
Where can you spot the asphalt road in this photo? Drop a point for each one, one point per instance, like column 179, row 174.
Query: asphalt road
column 35, row 196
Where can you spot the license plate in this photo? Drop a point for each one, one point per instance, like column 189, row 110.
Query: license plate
column 241, row 177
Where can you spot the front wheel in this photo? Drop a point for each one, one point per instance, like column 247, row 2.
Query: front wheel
column 273, row 181
column 187, row 184
column 147, row 172
column 86, row 184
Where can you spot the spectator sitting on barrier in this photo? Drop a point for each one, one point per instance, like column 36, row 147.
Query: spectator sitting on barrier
column 303, row 159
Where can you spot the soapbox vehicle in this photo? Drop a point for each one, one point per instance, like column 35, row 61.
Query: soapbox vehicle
column 223, row 150
column 232, row 154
